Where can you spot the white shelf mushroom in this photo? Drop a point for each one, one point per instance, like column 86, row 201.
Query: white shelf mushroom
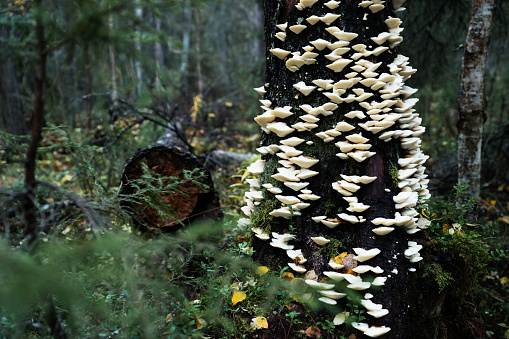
column 297, row 28
column 328, row 300
column 303, row 88
column 320, row 241
column 297, row 268
column 364, row 255
column 313, row 19
column 329, row 18
column 319, row 285
column 332, row 4
column 320, row 44
column 375, row 331
column 332, row 294
column 280, row 53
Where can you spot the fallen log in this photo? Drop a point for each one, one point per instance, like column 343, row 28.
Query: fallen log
column 194, row 198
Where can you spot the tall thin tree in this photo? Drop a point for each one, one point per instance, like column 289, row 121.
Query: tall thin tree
column 472, row 96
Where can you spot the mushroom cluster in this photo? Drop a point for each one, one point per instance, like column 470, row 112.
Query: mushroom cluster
column 378, row 108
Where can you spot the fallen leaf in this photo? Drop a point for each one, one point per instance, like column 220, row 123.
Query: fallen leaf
column 340, row 257
column 261, row 322
column 313, row 331
column 238, row 297
column 311, row 275
column 262, row 270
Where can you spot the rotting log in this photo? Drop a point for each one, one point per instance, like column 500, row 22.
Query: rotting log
column 170, row 157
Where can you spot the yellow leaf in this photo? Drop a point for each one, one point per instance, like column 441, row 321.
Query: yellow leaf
column 244, row 176
column 261, row 322
column 238, row 297
column 493, row 202
column 340, row 257
column 228, row 104
column 504, row 281
column 262, row 270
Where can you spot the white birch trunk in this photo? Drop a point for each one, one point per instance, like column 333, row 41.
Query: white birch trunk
column 472, row 96
column 137, row 64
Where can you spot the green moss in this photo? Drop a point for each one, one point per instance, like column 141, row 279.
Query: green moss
column 332, row 249
column 393, row 172
column 466, row 256
column 330, row 206
column 261, row 217
column 439, row 275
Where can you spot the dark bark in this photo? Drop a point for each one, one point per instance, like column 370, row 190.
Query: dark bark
column 28, row 204
column 472, row 97
column 170, row 156
column 281, row 92
column 12, row 114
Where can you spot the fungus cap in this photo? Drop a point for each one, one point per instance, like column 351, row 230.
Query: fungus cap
column 359, row 286
column 382, row 230
column 319, row 285
column 321, row 241
column 364, row 255
column 280, row 53
column 297, row 28
column 320, row 44
column 375, row 331
column 332, row 294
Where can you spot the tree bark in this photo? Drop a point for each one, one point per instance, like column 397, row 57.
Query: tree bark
column 30, row 218
column 159, row 58
column 184, row 62
column 113, row 72
column 395, row 156
column 138, row 11
column 12, row 114
column 472, row 97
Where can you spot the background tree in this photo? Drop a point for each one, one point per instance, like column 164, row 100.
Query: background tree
column 472, row 97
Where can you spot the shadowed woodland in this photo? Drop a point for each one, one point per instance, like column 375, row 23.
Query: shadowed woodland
column 126, row 127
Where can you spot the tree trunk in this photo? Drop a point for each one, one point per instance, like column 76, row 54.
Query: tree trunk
column 30, row 218
column 472, row 97
column 185, row 45
column 159, row 58
column 12, row 115
column 365, row 97
column 198, row 51
column 138, row 11
column 113, row 72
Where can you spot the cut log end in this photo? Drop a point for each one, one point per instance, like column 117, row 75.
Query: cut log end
column 189, row 202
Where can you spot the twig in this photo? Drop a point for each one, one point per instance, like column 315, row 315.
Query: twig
column 79, row 202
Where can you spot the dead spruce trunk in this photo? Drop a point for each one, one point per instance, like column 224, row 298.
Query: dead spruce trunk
column 342, row 168
column 472, row 96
